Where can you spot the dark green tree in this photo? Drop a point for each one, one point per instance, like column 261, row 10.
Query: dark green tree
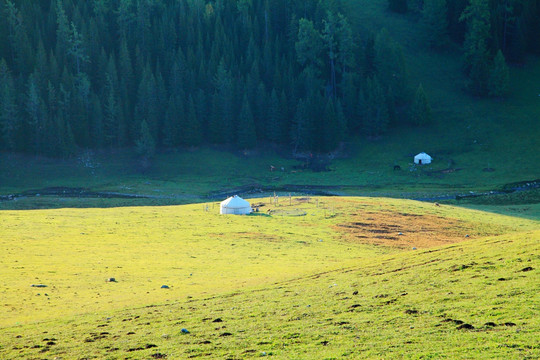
column 146, row 145
column 420, row 113
column 476, row 45
column 309, row 44
column 111, row 113
column 274, row 118
column 435, row 18
column 376, row 117
column 399, row 6
column 192, row 130
column 8, row 108
column 499, row 76
column 301, row 133
column 246, row 136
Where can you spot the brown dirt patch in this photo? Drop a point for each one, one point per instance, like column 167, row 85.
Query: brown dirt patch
column 402, row 230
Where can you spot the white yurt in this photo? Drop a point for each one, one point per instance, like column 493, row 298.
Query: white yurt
column 422, row 159
column 235, row 205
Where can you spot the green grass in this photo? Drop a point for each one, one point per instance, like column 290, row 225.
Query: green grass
column 282, row 285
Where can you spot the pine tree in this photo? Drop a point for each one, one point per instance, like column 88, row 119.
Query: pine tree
column 376, row 109
column 110, row 113
column 309, row 44
column 224, row 99
column 273, row 124
column 370, row 67
column 192, row 131
column 499, row 77
column 436, row 23
column 174, row 119
column 246, row 137
column 35, row 115
column 477, row 58
column 301, row 129
column 8, row 109
column 399, row 6
column 146, row 145
column 420, row 109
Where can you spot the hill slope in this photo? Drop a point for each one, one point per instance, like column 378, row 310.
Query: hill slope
column 286, row 293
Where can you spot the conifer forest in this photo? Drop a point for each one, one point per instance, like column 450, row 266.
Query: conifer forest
column 158, row 74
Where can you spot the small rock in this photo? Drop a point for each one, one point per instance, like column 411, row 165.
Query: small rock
column 528, row 268
column 465, row 327
column 164, row 287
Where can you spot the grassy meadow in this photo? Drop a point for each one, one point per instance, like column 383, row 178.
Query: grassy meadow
column 307, row 278
column 281, row 282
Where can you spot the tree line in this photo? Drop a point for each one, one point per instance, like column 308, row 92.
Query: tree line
column 157, row 74
column 149, row 74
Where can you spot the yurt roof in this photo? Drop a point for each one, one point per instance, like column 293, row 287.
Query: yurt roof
column 235, row 202
column 422, row 155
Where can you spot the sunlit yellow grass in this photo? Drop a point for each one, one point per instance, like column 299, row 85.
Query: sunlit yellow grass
column 197, row 253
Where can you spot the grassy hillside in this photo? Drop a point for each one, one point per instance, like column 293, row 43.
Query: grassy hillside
column 281, row 284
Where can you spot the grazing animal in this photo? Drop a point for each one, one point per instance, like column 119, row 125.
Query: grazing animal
column 397, row 167
column 437, row 204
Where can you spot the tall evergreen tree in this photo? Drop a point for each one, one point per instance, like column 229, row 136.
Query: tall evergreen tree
column 477, row 56
column 8, row 109
column 309, row 44
column 376, row 117
column 499, row 76
column 111, row 113
column 435, row 18
column 246, row 136
column 274, row 119
column 192, row 130
column 146, row 145
column 420, row 113
column 399, row 6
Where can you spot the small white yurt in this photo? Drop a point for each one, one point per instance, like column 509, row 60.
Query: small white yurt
column 235, row 205
column 422, row 159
